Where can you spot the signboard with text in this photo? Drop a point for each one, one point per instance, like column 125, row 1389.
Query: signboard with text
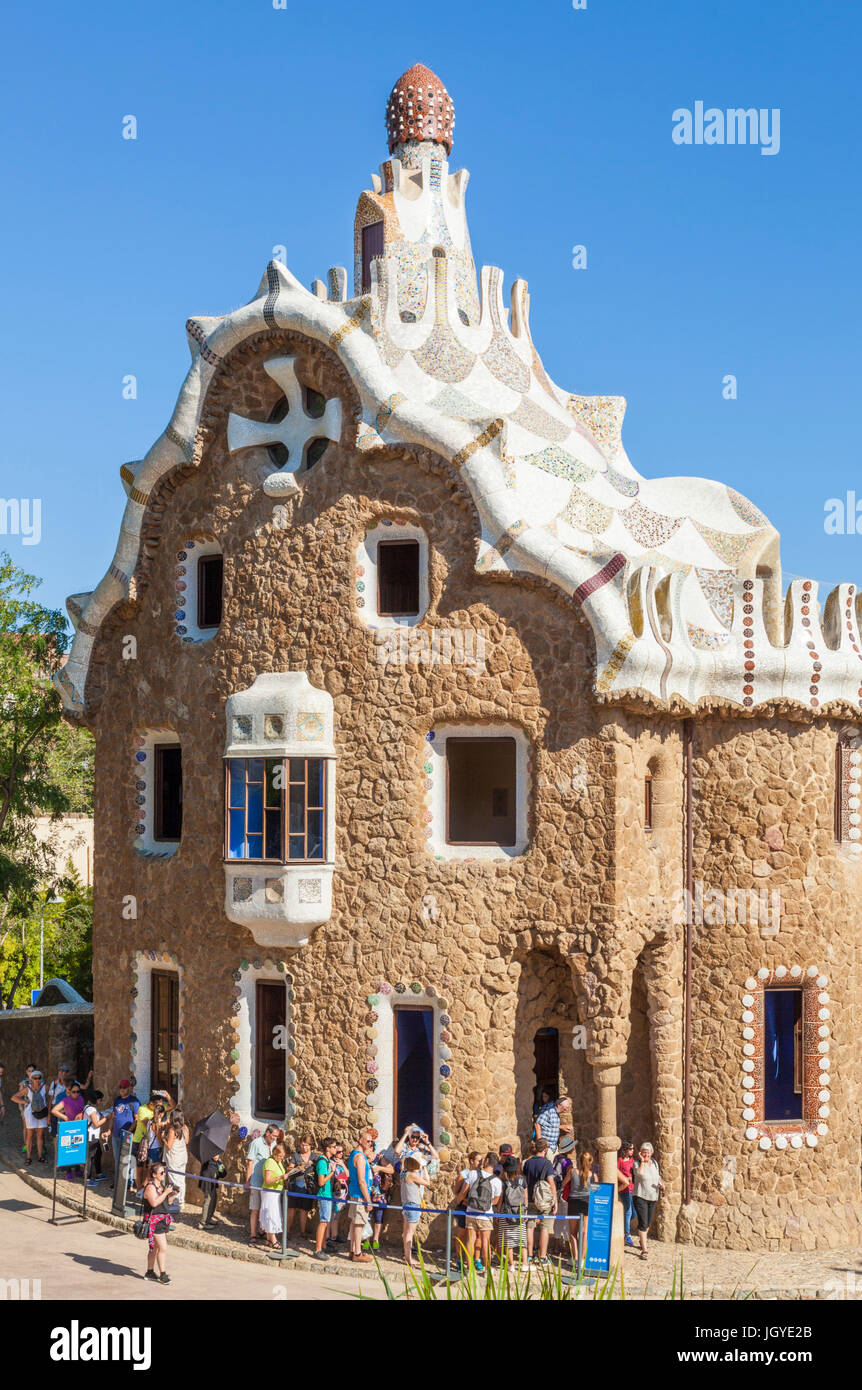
column 71, row 1142
column 600, row 1220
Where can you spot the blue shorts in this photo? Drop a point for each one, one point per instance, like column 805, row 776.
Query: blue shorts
column 325, row 1208
column 412, row 1214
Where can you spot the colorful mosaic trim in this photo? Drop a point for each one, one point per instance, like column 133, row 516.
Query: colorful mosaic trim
column 385, row 411
column 616, row 663
column 195, row 331
column 749, row 660
column 273, row 285
column 705, row 641
column 184, row 445
column 502, row 546
column 816, row 1061
column 849, row 624
column 480, row 442
column 352, row 323
column 647, row 527
column 160, row 960
column 416, row 993
column 560, row 464
column 717, row 586
column 850, row 765
column 745, row 510
column 586, row 514
column 180, row 591
column 602, row 416
column 732, row 549
column 603, row 576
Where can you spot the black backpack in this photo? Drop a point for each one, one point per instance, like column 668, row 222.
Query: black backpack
column 481, row 1194
column 514, row 1201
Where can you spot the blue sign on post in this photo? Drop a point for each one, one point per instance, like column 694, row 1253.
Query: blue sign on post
column 71, row 1143
column 600, row 1220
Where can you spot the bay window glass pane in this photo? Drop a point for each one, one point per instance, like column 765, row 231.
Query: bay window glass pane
column 315, row 781
column 255, row 808
column 273, row 834
column 297, row 810
column 274, row 782
column 315, row 835
column 296, row 767
column 255, row 847
column 297, row 846
column 236, row 835
column 237, row 781
column 255, row 769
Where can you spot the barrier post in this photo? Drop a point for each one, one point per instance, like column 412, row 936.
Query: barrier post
column 284, row 1223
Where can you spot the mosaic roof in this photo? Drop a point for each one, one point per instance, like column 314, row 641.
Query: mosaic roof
column 679, row 577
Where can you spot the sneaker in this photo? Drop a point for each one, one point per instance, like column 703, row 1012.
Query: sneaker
column 320, row 1255
column 330, row 1245
column 479, row 1267
column 361, row 1259
column 164, row 1277
column 375, row 1245
column 152, row 1276
column 542, row 1260
column 629, row 1240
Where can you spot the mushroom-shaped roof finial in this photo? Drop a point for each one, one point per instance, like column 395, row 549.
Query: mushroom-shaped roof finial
column 419, row 108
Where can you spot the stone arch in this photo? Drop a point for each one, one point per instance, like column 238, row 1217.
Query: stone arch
column 546, row 999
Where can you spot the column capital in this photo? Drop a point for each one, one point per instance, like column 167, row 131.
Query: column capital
column 605, row 1074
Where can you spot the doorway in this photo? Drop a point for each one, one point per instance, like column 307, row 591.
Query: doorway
column 546, row 1049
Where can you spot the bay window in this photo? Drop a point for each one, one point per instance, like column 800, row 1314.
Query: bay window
column 275, row 809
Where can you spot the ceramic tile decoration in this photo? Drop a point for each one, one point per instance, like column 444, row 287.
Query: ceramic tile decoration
column 434, row 355
column 817, row 1081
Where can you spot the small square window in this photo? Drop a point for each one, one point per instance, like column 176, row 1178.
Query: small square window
column 398, row 579
column 481, row 791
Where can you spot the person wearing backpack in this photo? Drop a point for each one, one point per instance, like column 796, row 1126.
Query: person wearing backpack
column 513, row 1204
column 123, row 1119
column 541, row 1197
column 483, row 1197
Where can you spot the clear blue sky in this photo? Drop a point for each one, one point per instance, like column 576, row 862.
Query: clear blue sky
column 259, row 126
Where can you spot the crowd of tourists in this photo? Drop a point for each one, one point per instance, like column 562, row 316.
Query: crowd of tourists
column 518, row 1210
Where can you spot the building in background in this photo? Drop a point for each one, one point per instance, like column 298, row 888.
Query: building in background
column 442, row 757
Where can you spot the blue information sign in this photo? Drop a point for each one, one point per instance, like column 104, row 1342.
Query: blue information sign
column 600, row 1220
column 71, row 1142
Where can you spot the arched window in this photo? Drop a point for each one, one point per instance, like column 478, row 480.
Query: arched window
column 648, row 800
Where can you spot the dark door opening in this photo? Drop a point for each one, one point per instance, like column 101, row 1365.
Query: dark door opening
column 165, row 1032
column 270, row 1062
column 546, row 1047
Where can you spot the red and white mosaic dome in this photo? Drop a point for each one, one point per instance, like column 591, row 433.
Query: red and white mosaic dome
column 419, row 108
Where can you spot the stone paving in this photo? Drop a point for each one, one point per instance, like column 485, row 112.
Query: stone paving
column 704, row 1273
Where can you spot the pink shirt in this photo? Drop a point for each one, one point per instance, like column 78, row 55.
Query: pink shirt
column 625, row 1166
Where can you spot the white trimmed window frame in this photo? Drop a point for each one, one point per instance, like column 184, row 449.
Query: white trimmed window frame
column 245, row 1024
column 145, row 742
column 434, row 757
column 366, row 575
column 144, row 963
column 383, row 1099
column 186, row 601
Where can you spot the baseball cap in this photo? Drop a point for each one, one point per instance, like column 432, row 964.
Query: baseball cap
column 505, row 1149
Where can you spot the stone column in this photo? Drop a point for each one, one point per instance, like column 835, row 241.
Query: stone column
column 607, row 1078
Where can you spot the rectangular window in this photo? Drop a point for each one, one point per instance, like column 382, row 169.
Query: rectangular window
column 270, row 1061
column 168, row 808
column 210, row 583
column 165, row 1032
column 398, row 578
column 257, row 808
column 372, row 245
column 480, row 791
column 414, row 1069
column 782, row 1056
column 648, row 801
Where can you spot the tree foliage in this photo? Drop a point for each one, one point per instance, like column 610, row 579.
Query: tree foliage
column 46, row 768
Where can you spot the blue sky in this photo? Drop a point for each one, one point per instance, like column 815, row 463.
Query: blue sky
column 259, row 127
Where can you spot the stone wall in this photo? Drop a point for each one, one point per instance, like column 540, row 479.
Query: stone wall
column 46, row 1037
column 553, row 937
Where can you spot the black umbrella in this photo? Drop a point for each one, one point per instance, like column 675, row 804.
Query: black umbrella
column 210, row 1136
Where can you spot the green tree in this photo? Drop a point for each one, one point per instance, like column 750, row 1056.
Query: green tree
column 45, row 767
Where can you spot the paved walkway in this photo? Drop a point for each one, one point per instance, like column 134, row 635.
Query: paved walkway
column 80, row 1260
column 705, row 1273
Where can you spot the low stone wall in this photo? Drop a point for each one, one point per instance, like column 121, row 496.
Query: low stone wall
column 46, row 1037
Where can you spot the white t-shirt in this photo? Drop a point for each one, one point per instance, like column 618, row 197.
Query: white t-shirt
column 91, row 1113
column 496, row 1190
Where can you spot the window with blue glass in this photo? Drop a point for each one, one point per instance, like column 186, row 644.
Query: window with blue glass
column 782, row 1054
column 275, row 809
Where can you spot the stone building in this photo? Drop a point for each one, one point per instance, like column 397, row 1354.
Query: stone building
column 440, row 755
